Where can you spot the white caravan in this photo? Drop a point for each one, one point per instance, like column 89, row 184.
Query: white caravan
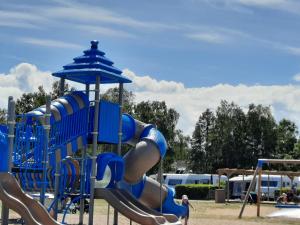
column 239, row 185
column 175, row 179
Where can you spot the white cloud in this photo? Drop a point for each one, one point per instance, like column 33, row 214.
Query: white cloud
column 214, row 38
column 87, row 13
column 23, row 78
column 49, row 43
column 191, row 102
column 292, row 50
column 291, row 6
column 72, row 13
column 296, row 77
column 104, row 31
column 262, row 2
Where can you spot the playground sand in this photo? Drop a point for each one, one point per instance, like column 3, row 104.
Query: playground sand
column 206, row 213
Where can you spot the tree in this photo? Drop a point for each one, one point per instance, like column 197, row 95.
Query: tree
column 165, row 119
column 286, row 138
column 202, row 154
column 229, row 135
column 261, row 133
column 112, row 95
column 30, row 101
column 55, row 93
column 181, row 146
column 3, row 116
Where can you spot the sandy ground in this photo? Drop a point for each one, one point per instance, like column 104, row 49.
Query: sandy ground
column 205, row 213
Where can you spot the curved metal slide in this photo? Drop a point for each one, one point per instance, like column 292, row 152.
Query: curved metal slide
column 12, row 196
column 136, row 196
column 131, row 208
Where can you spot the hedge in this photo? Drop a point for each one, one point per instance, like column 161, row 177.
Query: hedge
column 194, row 191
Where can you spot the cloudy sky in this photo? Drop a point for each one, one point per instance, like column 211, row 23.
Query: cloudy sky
column 190, row 53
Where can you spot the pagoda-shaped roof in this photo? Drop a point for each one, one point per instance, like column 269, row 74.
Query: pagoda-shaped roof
column 93, row 63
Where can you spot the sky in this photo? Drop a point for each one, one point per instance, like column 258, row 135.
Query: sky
column 189, row 53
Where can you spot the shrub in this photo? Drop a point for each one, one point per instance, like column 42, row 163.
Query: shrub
column 194, row 191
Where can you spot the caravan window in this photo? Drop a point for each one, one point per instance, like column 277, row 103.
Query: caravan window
column 270, row 183
column 204, row 181
column 191, row 182
column 173, row 182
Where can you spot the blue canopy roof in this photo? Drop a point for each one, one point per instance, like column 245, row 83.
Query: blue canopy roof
column 93, row 63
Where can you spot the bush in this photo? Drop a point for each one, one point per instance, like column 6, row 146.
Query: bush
column 194, row 191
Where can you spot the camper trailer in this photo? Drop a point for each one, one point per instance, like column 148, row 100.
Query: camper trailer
column 239, row 185
column 175, row 179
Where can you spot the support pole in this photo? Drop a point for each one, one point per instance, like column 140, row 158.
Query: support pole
column 11, row 131
column 248, row 192
column 281, row 184
column 160, row 182
column 62, row 86
column 228, row 188
column 56, row 191
column 268, row 186
column 95, row 145
column 45, row 150
column 119, row 147
column 82, row 171
column 259, row 192
column 108, row 211
column 121, row 90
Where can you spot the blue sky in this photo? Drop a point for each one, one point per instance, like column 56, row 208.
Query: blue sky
column 190, row 44
column 199, row 43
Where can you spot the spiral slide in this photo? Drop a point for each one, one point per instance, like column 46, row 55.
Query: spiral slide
column 149, row 146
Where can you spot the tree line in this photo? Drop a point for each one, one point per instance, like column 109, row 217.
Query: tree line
column 229, row 137
column 232, row 138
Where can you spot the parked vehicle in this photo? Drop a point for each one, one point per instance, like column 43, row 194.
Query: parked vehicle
column 239, row 185
column 172, row 179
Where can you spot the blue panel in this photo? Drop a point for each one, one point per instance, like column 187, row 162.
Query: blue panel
column 108, row 122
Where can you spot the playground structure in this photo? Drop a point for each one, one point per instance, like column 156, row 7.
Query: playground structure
column 38, row 152
column 258, row 172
